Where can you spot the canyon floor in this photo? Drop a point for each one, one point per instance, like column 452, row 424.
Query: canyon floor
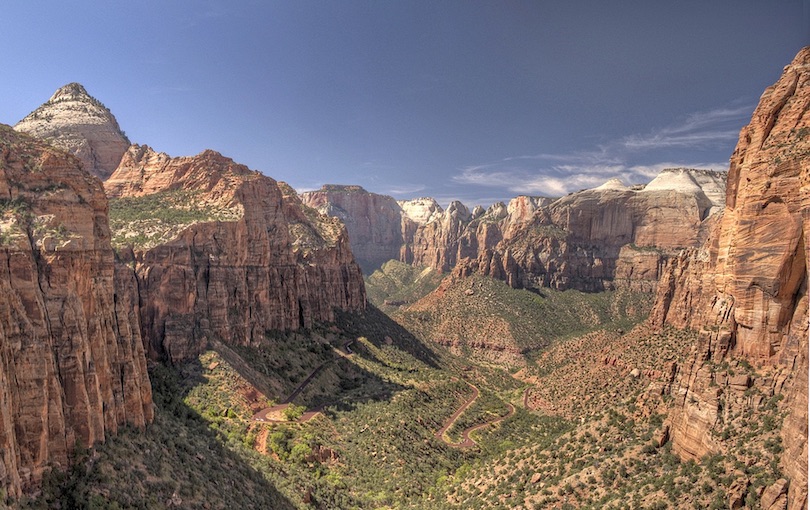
column 382, row 418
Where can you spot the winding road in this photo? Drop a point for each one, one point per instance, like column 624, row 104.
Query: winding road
column 466, row 440
column 264, row 414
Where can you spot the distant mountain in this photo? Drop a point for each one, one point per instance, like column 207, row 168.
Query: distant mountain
column 75, row 121
column 596, row 239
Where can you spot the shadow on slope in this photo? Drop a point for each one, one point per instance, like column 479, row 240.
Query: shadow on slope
column 380, row 330
column 178, row 461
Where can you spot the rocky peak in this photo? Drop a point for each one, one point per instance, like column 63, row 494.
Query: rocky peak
column 692, row 181
column 615, row 184
column 72, row 91
column 75, row 121
column 420, row 210
column 458, row 211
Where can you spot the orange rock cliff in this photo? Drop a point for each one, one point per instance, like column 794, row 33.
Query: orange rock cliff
column 270, row 264
column 745, row 289
column 72, row 365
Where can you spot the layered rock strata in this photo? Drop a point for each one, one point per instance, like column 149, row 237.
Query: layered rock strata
column 72, row 365
column 265, row 262
column 745, row 289
column 374, row 222
column 78, row 123
column 607, row 237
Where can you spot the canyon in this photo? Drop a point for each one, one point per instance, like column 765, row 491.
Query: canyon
column 184, row 267
column 597, row 239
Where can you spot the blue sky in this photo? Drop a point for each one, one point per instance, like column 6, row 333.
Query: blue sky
column 471, row 100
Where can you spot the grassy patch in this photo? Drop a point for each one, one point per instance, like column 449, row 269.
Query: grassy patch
column 144, row 222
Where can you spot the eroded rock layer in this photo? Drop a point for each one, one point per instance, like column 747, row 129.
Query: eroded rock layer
column 607, row 237
column 745, row 289
column 72, row 365
column 275, row 264
column 78, row 123
column 374, row 222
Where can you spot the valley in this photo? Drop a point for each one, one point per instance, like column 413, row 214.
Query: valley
column 191, row 333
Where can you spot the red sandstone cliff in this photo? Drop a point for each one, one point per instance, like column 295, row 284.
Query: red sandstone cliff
column 745, row 289
column 72, row 365
column 591, row 240
column 374, row 222
column 256, row 260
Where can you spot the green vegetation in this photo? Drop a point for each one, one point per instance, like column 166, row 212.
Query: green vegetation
column 480, row 310
column 589, row 439
column 399, row 283
column 146, row 221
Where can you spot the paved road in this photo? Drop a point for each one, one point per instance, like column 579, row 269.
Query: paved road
column 308, row 415
column 466, row 440
column 452, row 419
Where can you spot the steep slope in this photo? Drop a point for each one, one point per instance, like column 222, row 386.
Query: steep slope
column 78, row 123
column 230, row 254
column 604, row 238
column 484, row 319
column 72, row 366
column 745, row 290
column 374, row 222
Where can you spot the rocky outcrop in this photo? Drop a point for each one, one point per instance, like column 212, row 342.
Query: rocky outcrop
column 607, row 237
column 78, row 123
column 270, row 263
column 72, row 365
column 745, row 289
column 374, row 222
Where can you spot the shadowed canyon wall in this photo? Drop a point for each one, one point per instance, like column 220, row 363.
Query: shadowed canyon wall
column 72, row 365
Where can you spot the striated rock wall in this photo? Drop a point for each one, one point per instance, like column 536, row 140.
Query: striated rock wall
column 279, row 266
column 72, row 365
column 745, row 289
column 78, row 123
column 608, row 237
column 374, row 222
column 611, row 236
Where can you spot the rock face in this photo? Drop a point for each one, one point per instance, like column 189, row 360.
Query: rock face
column 607, row 237
column 745, row 289
column 274, row 265
column 78, row 123
column 602, row 238
column 374, row 222
column 72, row 365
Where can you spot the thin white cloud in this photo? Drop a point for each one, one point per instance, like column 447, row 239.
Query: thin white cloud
column 558, row 174
column 405, row 189
column 698, row 130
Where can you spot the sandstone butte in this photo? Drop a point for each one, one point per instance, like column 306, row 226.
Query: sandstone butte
column 274, row 264
column 596, row 239
column 72, row 364
column 76, row 326
column 745, row 288
column 78, row 123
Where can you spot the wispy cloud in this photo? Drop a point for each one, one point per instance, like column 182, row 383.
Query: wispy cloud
column 404, row 189
column 698, row 130
column 557, row 174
